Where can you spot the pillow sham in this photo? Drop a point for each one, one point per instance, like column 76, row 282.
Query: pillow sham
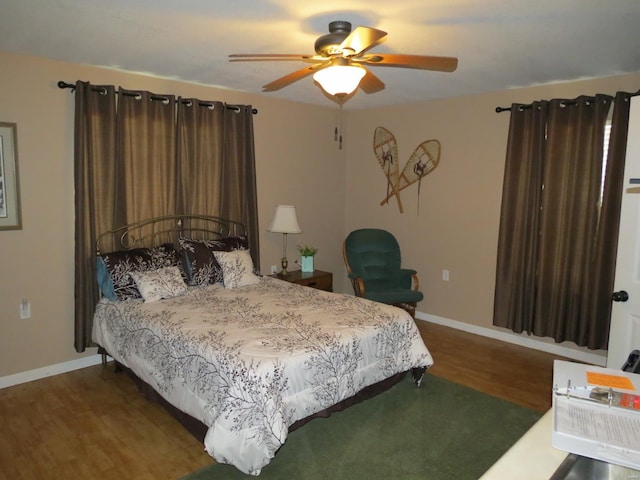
column 237, row 268
column 155, row 285
column 119, row 264
column 201, row 266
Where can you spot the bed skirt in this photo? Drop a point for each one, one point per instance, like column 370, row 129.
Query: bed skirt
column 199, row 429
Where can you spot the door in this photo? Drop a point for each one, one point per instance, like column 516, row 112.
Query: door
column 624, row 334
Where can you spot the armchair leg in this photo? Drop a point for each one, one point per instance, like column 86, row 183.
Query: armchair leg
column 409, row 307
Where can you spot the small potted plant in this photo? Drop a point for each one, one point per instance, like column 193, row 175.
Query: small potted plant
column 307, row 253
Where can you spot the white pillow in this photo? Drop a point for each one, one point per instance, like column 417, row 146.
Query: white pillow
column 237, row 268
column 157, row 284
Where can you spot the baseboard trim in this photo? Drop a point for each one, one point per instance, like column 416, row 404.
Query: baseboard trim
column 49, row 371
column 593, row 358
column 587, row 357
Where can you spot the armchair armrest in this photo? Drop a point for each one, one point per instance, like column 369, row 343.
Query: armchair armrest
column 358, row 284
column 409, row 277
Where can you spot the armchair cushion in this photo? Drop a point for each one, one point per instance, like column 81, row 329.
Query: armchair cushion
column 394, row 296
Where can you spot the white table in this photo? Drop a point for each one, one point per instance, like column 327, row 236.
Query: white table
column 530, row 458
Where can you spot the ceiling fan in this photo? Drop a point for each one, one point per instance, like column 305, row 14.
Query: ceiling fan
column 342, row 53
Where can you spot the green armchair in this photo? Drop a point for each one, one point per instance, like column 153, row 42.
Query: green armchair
column 372, row 258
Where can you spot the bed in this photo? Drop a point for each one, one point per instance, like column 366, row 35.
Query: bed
column 249, row 357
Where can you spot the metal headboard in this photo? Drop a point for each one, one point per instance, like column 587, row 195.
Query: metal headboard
column 167, row 229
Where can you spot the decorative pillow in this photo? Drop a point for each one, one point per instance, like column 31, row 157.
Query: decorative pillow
column 155, row 285
column 201, row 266
column 237, row 268
column 104, row 280
column 121, row 263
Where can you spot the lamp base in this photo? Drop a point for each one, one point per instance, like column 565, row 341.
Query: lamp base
column 284, row 263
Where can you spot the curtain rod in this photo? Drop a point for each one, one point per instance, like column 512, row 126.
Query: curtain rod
column 528, row 106
column 62, row 85
column 566, row 102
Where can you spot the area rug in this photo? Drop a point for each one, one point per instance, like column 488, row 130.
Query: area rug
column 439, row 431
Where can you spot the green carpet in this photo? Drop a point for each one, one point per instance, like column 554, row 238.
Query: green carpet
column 440, row 431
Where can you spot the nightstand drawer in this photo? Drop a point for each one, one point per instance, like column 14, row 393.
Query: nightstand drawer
column 321, row 282
column 316, row 279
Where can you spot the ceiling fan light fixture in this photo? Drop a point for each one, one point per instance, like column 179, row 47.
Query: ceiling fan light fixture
column 339, row 79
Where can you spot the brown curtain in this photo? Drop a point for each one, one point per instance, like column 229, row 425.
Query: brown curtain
column 606, row 246
column 518, row 239
column 149, row 155
column 200, row 153
column 146, row 156
column 569, row 222
column 240, row 199
column 217, row 164
column 558, row 237
column 94, row 159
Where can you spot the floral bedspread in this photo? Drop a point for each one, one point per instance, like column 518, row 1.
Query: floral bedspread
column 251, row 361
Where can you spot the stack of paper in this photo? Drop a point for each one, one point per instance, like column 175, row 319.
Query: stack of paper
column 589, row 416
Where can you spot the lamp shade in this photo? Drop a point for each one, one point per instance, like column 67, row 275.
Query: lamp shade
column 339, row 79
column 285, row 220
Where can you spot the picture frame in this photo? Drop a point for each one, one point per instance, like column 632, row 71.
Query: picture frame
column 10, row 215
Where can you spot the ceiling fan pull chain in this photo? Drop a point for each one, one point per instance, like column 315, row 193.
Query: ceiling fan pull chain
column 335, row 130
column 340, row 123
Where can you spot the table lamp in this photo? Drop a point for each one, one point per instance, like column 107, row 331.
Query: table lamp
column 285, row 222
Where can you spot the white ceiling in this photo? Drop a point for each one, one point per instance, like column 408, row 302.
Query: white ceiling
column 500, row 44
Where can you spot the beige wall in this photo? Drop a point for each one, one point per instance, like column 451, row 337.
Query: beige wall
column 459, row 204
column 297, row 163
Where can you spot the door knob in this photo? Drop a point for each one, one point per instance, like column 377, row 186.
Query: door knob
column 620, row 296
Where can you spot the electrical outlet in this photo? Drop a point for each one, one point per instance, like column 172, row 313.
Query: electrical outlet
column 25, row 309
column 445, row 275
column 274, row 269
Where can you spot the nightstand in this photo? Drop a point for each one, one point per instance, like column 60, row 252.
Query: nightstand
column 316, row 279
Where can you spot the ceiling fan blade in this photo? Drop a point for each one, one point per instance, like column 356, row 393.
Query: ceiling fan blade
column 362, row 39
column 268, row 57
column 423, row 62
column 370, row 83
column 292, row 77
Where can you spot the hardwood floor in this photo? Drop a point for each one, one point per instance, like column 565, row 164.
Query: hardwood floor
column 93, row 424
column 517, row 374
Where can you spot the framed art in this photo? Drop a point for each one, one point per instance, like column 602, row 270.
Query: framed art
column 9, row 185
